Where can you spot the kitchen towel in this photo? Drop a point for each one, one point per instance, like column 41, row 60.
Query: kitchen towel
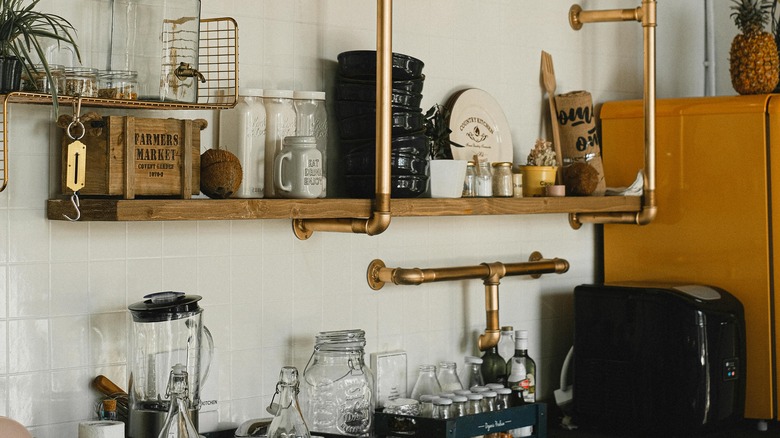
column 579, row 138
column 101, row 429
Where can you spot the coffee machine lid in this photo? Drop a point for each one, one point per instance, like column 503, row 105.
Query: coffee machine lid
column 165, row 306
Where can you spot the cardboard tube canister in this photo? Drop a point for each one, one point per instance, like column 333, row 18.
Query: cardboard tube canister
column 579, row 137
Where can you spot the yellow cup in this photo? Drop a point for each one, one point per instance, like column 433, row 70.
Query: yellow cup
column 536, row 178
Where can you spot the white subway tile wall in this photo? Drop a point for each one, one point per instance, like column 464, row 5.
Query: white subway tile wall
column 65, row 287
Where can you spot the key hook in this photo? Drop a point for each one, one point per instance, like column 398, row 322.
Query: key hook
column 74, row 199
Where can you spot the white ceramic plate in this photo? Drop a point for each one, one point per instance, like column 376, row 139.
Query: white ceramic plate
column 478, row 123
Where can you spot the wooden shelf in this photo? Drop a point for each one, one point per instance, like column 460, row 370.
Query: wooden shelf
column 236, row 209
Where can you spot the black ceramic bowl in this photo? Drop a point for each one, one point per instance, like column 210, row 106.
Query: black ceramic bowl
column 361, row 64
column 367, row 93
column 364, row 126
column 409, row 85
column 401, row 186
column 363, row 162
column 351, row 108
column 413, row 144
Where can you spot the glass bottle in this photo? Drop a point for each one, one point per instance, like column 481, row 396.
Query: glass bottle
column 459, row 403
column 312, row 120
column 470, row 182
column 489, row 401
column 288, row 421
column 448, row 377
column 522, row 378
column 242, row 132
column 484, row 179
column 502, row 398
column 474, row 404
column 472, row 373
column 427, row 383
column 338, row 386
column 502, row 180
column 178, row 423
column 279, row 123
column 426, row 405
column 442, row 408
column 108, row 411
column 493, row 366
column 506, row 343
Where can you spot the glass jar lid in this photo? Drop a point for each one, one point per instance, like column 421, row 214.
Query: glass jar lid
column 165, row 306
column 340, row 340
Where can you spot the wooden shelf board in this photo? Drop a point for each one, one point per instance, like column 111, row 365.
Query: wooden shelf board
column 237, row 209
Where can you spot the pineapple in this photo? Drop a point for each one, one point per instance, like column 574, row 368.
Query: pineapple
column 753, row 56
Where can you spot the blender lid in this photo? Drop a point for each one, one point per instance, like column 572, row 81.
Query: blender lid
column 165, row 306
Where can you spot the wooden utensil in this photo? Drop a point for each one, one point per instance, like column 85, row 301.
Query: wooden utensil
column 548, row 77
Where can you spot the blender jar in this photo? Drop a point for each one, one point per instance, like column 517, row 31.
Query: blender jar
column 167, row 330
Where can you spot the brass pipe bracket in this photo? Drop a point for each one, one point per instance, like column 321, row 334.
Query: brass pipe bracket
column 490, row 273
column 646, row 14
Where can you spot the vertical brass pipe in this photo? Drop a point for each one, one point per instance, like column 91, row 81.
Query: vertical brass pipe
column 492, row 332
column 380, row 216
column 647, row 15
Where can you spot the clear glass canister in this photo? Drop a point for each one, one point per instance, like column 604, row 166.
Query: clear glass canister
column 502, row 180
column 280, row 123
column 312, row 119
column 484, row 180
column 242, row 132
column 37, row 81
column 81, row 81
column 118, row 84
column 160, row 40
column 338, row 387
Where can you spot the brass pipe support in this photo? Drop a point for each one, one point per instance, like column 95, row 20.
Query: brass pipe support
column 380, row 217
column 646, row 14
column 490, row 273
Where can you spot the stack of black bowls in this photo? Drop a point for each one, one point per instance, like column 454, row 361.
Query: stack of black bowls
column 356, row 116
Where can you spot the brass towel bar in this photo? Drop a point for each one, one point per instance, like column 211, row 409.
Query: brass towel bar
column 490, row 273
column 646, row 14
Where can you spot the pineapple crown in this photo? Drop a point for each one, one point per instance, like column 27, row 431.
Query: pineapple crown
column 751, row 15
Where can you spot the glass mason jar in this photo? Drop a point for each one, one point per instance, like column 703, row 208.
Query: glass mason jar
column 81, row 81
column 338, row 387
column 502, row 180
column 312, row 119
column 118, row 84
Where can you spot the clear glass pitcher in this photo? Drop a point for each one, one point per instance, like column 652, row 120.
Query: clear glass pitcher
column 338, row 386
column 167, row 330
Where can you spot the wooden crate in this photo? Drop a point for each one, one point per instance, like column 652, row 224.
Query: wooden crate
column 129, row 157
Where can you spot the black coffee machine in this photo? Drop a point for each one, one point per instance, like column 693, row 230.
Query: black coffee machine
column 652, row 359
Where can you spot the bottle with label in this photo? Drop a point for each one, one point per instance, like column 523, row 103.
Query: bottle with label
column 312, row 119
column 522, row 378
column 493, row 366
column 242, row 132
column 279, row 123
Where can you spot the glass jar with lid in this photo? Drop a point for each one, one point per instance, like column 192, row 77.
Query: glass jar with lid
column 81, row 81
column 338, row 387
column 36, row 80
column 118, row 84
column 502, row 180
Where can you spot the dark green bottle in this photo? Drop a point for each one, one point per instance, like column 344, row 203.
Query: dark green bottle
column 493, row 366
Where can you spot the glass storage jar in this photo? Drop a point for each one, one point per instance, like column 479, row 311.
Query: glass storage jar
column 81, row 81
column 502, row 180
column 118, row 84
column 36, row 80
column 338, row 387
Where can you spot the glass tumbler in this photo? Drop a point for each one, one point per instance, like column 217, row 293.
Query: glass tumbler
column 338, row 387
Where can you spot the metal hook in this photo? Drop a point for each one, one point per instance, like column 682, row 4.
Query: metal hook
column 74, row 199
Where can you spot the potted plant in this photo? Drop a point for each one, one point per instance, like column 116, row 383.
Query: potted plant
column 540, row 171
column 446, row 175
column 24, row 32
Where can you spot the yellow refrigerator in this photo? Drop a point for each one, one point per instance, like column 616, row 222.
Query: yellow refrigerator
column 718, row 223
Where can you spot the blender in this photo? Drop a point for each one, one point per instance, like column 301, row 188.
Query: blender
column 167, row 330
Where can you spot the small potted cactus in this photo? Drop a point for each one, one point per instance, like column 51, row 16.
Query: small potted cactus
column 539, row 173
